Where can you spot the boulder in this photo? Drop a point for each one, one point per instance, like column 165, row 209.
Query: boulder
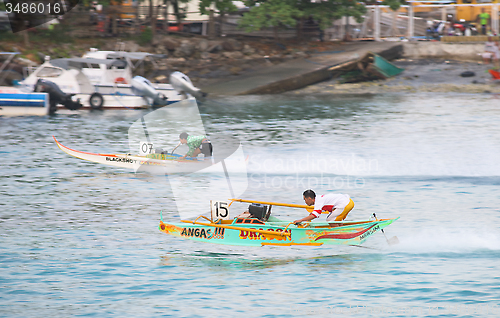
column 233, row 55
column 180, row 61
column 160, row 49
column 205, row 55
column 186, row 49
column 161, row 79
column 299, row 54
column 214, row 48
column 203, row 45
column 232, row 45
column 256, row 56
column 214, row 56
column 248, row 50
column 169, row 43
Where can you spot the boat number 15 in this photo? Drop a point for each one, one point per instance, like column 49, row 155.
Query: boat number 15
column 146, row 148
column 219, row 210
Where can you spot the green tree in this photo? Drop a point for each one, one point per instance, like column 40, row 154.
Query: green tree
column 394, row 5
column 179, row 10
column 286, row 13
column 222, row 6
column 274, row 14
column 112, row 8
column 327, row 11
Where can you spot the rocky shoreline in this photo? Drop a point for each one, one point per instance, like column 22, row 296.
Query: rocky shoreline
column 211, row 61
column 420, row 75
column 204, row 61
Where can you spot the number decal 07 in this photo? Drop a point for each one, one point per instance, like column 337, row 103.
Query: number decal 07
column 146, row 148
column 220, row 210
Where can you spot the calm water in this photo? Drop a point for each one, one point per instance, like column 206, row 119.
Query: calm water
column 80, row 239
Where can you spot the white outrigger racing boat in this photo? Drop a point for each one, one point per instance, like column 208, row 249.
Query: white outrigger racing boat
column 153, row 163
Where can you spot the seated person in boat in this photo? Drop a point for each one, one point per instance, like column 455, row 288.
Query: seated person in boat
column 197, row 145
column 339, row 205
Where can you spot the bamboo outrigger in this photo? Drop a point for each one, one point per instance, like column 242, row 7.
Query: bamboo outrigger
column 264, row 229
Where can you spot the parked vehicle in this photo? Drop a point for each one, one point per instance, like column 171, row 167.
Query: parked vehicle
column 465, row 28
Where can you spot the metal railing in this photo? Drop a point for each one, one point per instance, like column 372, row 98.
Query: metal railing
column 379, row 22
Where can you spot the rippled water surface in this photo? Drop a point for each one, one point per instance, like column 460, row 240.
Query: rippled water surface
column 82, row 239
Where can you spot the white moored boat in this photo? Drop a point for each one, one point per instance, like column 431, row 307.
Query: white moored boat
column 103, row 79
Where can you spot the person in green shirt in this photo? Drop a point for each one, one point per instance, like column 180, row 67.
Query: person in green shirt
column 197, row 145
column 484, row 20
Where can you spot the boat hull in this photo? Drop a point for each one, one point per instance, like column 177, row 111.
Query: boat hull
column 121, row 96
column 317, row 234
column 156, row 163
column 17, row 103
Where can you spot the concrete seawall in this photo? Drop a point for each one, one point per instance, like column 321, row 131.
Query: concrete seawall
column 452, row 51
column 298, row 74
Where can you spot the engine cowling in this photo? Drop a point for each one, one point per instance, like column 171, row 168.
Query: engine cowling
column 181, row 83
column 142, row 86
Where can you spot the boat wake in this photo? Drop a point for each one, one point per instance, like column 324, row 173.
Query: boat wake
column 448, row 241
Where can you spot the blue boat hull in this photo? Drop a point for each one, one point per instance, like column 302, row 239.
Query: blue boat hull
column 28, row 104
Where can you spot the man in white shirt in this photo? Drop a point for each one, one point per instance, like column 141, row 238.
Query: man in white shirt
column 339, row 205
column 491, row 51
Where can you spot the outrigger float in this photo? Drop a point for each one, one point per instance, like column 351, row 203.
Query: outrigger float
column 259, row 228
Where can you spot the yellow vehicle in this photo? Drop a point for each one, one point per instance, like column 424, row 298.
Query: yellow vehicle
column 418, row 8
column 125, row 8
column 469, row 13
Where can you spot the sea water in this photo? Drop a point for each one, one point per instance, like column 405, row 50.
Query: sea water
column 82, row 239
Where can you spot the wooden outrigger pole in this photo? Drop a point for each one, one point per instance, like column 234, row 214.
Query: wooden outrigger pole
column 303, row 206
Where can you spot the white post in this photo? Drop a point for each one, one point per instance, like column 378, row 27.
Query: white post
column 376, row 23
column 342, row 27
column 410, row 21
column 443, row 14
column 394, row 27
column 494, row 18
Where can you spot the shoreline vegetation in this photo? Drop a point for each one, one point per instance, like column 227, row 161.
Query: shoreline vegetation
column 213, row 61
column 204, row 61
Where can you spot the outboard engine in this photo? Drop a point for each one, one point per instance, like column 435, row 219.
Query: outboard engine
column 182, row 84
column 142, row 86
column 56, row 96
column 259, row 211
